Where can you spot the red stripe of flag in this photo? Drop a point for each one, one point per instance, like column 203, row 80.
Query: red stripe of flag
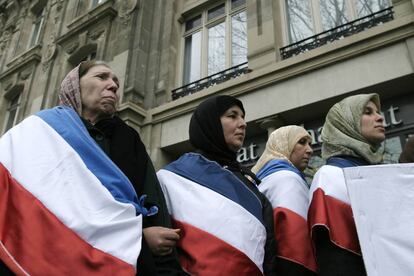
column 337, row 217
column 205, row 254
column 40, row 243
column 293, row 238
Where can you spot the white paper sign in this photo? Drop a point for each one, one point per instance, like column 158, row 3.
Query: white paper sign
column 382, row 201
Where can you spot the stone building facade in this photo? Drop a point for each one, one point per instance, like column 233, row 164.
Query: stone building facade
column 287, row 61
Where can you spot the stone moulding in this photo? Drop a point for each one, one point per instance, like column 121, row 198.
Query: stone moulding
column 30, row 56
column 80, row 23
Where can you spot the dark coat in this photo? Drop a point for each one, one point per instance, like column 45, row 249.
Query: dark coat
column 124, row 147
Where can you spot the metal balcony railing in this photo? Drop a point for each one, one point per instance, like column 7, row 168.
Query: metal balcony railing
column 336, row 33
column 217, row 78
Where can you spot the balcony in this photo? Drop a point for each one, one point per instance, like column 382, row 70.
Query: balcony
column 337, row 33
column 206, row 82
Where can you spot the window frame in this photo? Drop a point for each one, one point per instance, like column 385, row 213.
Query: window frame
column 204, row 27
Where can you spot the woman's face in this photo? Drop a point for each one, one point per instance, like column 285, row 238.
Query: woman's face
column 234, row 127
column 372, row 124
column 301, row 153
column 98, row 92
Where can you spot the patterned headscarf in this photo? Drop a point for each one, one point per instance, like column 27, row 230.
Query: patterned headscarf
column 341, row 133
column 69, row 94
column 280, row 145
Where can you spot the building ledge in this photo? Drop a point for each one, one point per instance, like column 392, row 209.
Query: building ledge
column 32, row 55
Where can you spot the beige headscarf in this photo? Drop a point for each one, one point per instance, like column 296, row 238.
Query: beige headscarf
column 341, row 133
column 280, row 145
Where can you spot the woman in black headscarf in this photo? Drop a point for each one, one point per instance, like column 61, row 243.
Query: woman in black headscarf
column 227, row 224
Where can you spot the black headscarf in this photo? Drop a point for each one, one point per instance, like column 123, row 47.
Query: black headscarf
column 206, row 132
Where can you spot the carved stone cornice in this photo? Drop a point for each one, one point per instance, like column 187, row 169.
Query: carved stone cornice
column 32, row 55
column 81, row 23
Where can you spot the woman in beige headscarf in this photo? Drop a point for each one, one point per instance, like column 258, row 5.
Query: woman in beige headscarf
column 280, row 168
column 351, row 135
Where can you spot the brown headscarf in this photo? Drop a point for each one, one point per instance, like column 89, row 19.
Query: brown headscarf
column 341, row 133
column 407, row 155
column 69, row 94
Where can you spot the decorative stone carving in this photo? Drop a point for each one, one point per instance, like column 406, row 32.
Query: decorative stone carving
column 24, row 74
column 8, row 84
column 5, row 39
column 94, row 35
column 126, row 9
column 72, row 47
column 49, row 54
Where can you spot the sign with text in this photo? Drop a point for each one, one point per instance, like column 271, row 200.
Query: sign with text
column 382, row 201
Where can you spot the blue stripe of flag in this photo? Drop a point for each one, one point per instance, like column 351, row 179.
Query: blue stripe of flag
column 211, row 175
column 66, row 122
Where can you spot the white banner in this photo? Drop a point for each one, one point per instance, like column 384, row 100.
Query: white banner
column 382, row 201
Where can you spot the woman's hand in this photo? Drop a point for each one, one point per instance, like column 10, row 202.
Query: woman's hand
column 161, row 240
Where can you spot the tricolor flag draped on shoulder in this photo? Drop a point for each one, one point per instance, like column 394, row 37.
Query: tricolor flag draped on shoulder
column 330, row 207
column 288, row 192
column 221, row 219
column 65, row 208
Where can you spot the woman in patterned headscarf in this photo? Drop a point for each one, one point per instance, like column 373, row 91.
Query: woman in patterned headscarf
column 280, row 167
column 91, row 90
column 351, row 135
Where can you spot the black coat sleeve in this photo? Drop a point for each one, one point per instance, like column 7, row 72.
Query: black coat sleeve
column 333, row 260
column 287, row 268
column 269, row 263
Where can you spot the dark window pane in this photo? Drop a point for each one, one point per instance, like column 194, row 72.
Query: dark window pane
column 10, row 119
column 37, row 24
column 13, row 105
column 216, row 12
column 237, row 3
column 193, row 23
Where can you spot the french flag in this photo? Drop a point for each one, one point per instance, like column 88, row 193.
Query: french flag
column 288, row 193
column 65, row 208
column 221, row 219
column 330, row 207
